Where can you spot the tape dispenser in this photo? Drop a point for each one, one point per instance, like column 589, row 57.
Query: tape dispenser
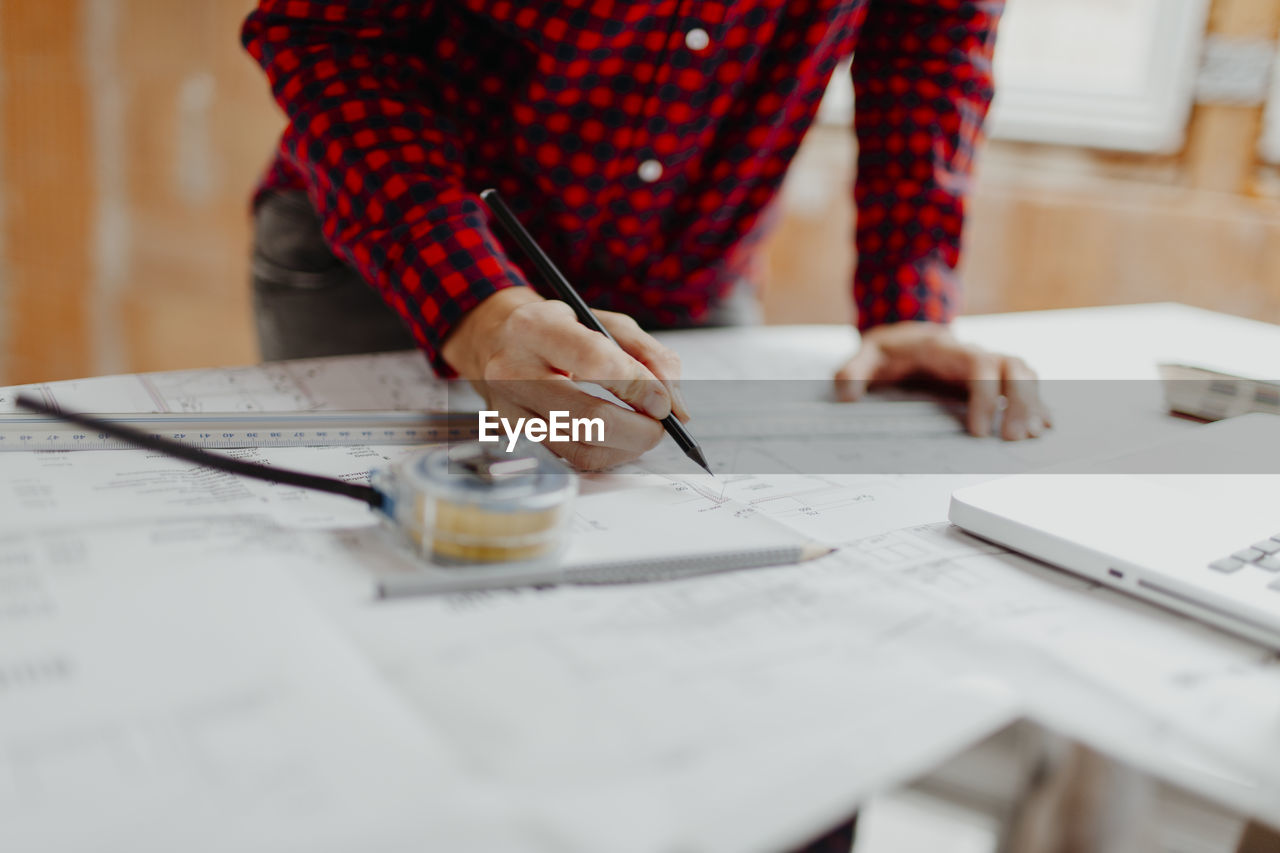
column 471, row 504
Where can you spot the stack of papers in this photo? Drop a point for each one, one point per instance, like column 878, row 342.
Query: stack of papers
column 190, row 660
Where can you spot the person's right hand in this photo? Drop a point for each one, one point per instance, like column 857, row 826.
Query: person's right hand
column 523, row 354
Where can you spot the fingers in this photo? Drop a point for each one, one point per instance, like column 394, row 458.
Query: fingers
column 994, row 378
column 661, row 360
column 1022, row 415
column 984, row 392
column 624, row 435
column 552, row 333
column 898, row 350
column 857, row 373
column 641, row 345
column 624, row 429
column 540, row 348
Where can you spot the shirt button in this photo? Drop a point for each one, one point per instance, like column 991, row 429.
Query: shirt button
column 697, row 39
column 650, row 171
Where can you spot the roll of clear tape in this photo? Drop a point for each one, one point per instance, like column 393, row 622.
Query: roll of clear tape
column 472, row 505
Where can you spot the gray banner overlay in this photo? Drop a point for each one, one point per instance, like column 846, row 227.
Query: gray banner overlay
column 800, row 427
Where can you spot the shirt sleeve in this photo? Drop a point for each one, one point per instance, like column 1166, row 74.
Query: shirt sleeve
column 922, row 81
column 382, row 166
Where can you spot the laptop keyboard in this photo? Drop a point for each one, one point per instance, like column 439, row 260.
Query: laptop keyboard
column 1264, row 555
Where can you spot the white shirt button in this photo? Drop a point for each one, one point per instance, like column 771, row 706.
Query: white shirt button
column 697, row 39
column 650, row 171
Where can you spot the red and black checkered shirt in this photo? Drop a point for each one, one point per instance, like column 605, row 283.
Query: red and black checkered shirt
column 639, row 142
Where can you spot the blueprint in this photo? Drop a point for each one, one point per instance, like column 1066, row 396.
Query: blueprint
column 730, row 712
column 637, row 701
column 383, row 381
column 1128, row 677
column 155, row 679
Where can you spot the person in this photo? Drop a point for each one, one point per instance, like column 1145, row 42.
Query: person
column 641, row 143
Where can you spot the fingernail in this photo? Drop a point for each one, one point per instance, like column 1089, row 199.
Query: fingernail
column 678, row 404
column 848, row 390
column 656, row 404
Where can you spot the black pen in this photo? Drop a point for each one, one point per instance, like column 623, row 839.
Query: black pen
column 553, row 278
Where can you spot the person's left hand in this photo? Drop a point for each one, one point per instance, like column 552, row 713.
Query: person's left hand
column 899, row 351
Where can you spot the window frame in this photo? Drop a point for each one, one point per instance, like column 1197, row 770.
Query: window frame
column 1153, row 120
column 1269, row 140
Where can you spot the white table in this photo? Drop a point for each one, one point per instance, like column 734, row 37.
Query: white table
column 732, row 713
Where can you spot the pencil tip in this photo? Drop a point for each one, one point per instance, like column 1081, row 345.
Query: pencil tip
column 814, row 550
column 695, row 454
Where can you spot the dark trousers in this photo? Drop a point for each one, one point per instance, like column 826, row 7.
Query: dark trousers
column 306, row 301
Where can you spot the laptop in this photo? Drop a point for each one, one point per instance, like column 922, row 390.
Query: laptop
column 1204, row 540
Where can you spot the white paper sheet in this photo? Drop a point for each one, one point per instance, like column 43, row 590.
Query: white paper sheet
column 734, row 712
column 731, row 712
column 382, row 381
column 163, row 687
column 1195, row 705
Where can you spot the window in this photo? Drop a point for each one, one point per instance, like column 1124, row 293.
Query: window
column 1102, row 73
column 1113, row 74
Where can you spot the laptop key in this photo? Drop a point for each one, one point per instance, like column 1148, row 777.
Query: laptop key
column 1270, row 546
column 1227, row 565
column 1248, row 555
column 1271, row 564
